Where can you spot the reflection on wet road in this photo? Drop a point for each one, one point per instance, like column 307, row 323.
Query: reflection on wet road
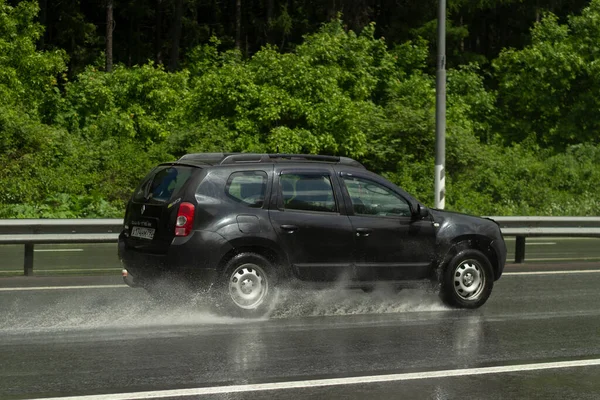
column 118, row 340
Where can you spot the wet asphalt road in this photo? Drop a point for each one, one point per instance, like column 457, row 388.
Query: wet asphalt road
column 117, row 340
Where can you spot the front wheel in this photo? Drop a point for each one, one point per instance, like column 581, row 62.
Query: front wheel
column 467, row 280
column 247, row 286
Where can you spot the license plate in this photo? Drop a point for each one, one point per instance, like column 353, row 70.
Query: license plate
column 141, row 232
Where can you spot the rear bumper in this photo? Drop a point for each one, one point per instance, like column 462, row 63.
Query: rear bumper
column 128, row 279
column 194, row 258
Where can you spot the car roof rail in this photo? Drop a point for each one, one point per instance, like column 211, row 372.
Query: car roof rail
column 204, row 158
column 244, row 158
column 319, row 158
column 234, row 158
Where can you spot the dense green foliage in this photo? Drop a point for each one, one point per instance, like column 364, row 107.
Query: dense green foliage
column 522, row 137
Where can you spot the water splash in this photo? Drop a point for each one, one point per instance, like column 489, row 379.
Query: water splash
column 176, row 306
column 102, row 308
column 342, row 301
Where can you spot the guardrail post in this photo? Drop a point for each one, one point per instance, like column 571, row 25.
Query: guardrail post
column 520, row 250
column 28, row 264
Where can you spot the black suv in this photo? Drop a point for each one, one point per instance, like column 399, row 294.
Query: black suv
column 240, row 224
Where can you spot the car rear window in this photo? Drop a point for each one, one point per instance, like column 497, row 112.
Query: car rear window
column 247, row 187
column 162, row 183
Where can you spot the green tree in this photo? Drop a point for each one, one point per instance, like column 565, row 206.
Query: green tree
column 140, row 102
column 550, row 90
column 28, row 77
column 319, row 98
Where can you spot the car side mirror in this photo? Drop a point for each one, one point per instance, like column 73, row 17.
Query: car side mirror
column 422, row 212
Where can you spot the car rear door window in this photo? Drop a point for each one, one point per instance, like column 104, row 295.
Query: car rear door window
column 371, row 198
column 162, row 183
column 247, row 187
column 307, row 192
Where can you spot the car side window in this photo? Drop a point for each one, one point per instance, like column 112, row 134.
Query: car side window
column 247, row 187
column 307, row 192
column 371, row 198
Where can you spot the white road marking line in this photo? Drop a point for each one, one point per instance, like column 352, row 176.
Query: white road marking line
column 564, row 259
column 55, row 250
column 18, row 289
column 334, row 382
column 12, row 271
column 77, row 270
column 513, row 238
column 539, row 243
column 575, row 271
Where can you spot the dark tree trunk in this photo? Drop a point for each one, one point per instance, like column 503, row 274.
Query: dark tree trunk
column 158, row 56
column 44, row 21
column 462, row 39
column 270, row 6
column 215, row 14
column 176, row 35
column 138, row 40
column 290, row 10
column 109, row 35
column 130, row 44
column 269, row 21
column 238, row 24
column 332, row 10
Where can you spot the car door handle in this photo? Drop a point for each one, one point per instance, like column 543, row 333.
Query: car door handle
column 289, row 228
column 363, row 231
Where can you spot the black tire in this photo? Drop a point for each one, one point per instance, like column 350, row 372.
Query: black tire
column 467, row 280
column 247, row 286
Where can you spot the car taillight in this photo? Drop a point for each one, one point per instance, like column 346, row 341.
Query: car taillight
column 185, row 219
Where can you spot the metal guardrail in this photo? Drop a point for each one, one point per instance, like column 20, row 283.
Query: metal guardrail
column 53, row 231
column 524, row 227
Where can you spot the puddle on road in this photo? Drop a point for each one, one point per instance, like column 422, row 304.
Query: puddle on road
column 131, row 308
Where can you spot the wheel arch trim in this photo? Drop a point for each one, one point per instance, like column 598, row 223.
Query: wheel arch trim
column 472, row 241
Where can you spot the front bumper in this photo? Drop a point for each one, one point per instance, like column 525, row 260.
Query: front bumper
column 499, row 247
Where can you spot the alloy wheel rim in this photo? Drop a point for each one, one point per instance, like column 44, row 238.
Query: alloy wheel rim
column 469, row 280
column 248, row 286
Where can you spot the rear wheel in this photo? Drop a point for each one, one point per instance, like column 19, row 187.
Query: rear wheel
column 247, row 286
column 467, row 280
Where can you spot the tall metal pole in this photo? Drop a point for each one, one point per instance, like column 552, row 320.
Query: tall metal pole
column 440, row 111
